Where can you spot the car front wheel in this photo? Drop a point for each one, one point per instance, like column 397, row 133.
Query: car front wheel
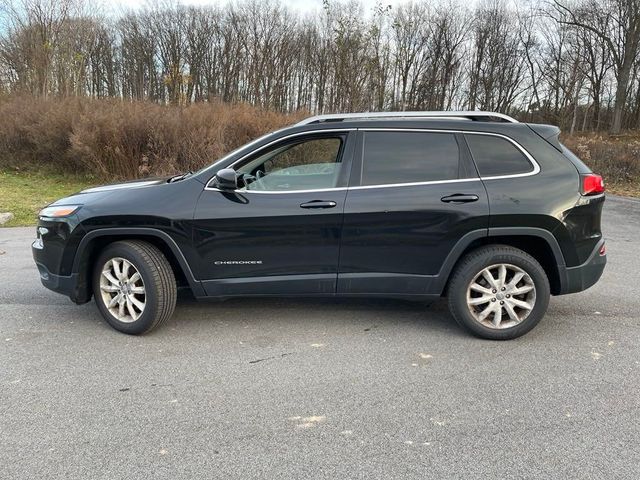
column 134, row 286
column 498, row 292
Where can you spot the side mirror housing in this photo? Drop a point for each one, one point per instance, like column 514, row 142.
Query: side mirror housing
column 226, row 179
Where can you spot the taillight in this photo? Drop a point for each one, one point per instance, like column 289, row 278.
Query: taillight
column 592, row 184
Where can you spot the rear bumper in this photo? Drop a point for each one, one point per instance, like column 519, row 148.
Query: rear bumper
column 577, row 279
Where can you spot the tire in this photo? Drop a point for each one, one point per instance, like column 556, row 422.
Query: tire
column 471, row 293
column 155, row 289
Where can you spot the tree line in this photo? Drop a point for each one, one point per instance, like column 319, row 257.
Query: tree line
column 574, row 63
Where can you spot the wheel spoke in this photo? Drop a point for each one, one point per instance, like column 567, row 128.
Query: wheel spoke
column 497, row 316
column 114, row 301
column 516, row 279
column 117, row 269
column 137, row 290
column 476, row 287
column 132, row 311
column 511, row 312
column 134, row 278
column 485, row 313
column 489, row 278
column 121, row 308
column 480, row 300
column 502, row 275
column 136, row 302
column 520, row 303
column 522, row 289
column 109, row 288
column 125, row 270
column 107, row 274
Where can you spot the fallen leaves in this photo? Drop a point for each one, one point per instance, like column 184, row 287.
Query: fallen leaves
column 308, row 422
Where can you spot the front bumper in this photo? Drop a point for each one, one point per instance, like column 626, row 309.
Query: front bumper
column 577, row 279
column 57, row 283
column 66, row 285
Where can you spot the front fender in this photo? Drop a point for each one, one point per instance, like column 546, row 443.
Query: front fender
column 86, row 251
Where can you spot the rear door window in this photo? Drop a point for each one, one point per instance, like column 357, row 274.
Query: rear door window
column 409, row 157
column 496, row 156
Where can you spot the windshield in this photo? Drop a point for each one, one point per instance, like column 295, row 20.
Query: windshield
column 236, row 151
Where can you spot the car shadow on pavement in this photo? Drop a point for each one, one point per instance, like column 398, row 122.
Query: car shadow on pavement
column 370, row 314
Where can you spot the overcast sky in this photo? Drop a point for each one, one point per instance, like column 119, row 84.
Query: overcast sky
column 300, row 5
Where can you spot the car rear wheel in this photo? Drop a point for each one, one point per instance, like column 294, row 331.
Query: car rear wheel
column 134, row 286
column 498, row 292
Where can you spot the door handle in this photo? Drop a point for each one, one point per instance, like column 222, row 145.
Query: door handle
column 318, row 204
column 460, row 198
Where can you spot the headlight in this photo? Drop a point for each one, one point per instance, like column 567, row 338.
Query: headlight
column 58, row 211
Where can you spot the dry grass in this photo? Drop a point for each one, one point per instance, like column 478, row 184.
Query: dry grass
column 119, row 139
column 616, row 159
column 112, row 139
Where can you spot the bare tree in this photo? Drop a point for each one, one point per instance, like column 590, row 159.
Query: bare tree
column 36, row 26
column 575, row 63
column 622, row 37
column 497, row 62
column 411, row 35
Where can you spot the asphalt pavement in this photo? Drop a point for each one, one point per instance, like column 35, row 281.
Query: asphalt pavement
column 307, row 388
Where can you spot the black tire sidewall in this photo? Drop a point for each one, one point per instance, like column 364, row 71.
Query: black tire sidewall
column 475, row 263
column 147, row 319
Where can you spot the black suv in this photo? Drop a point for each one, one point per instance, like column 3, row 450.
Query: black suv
column 496, row 215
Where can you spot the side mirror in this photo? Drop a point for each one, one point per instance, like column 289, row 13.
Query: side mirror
column 226, row 179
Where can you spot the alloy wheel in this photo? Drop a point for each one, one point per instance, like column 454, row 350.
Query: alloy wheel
column 122, row 290
column 501, row 296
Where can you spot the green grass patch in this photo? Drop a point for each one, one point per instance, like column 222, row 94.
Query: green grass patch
column 25, row 193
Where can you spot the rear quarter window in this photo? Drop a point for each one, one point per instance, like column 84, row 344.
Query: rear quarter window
column 409, row 157
column 496, row 156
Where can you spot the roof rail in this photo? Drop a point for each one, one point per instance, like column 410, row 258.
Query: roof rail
column 468, row 115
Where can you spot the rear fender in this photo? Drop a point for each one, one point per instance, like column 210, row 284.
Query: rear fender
column 484, row 237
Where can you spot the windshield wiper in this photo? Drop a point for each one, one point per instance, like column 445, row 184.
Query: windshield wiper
column 182, row 176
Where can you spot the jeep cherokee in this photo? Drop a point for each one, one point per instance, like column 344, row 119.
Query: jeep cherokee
column 495, row 214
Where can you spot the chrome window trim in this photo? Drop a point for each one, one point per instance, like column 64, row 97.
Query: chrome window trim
column 358, row 187
column 413, row 184
column 528, row 156
column 271, row 192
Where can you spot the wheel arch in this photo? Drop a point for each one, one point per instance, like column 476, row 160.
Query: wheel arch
column 537, row 242
column 95, row 241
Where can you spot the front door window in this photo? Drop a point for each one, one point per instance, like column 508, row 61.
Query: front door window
column 308, row 164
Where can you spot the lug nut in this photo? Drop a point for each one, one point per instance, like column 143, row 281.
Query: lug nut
column 494, row 290
column 503, row 289
column 508, row 296
column 501, row 303
column 493, row 299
